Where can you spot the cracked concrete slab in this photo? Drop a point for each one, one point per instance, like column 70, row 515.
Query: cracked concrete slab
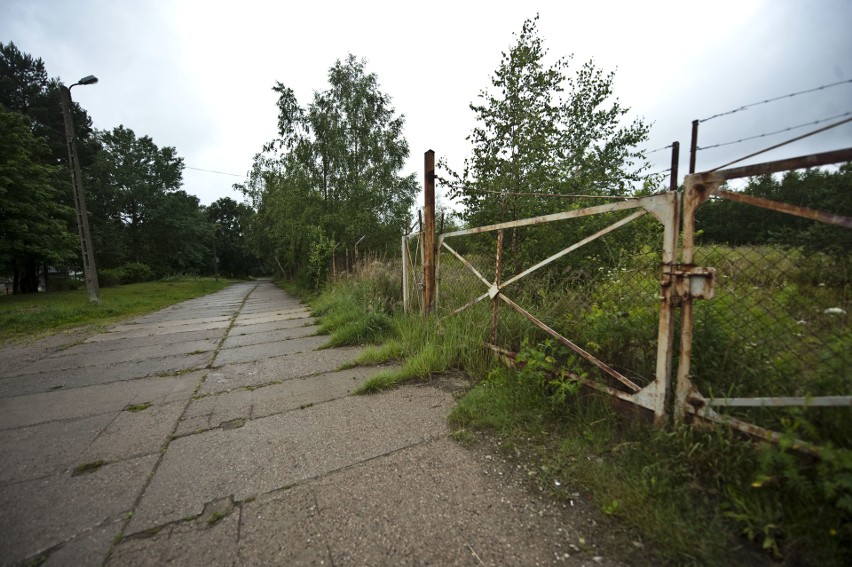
column 135, row 433
column 94, row 400
column 48, row 448
column 273, row 326
column 72, row 378
column 140, row 342
column 291, row 447
column 185, row 543
column 237, row 339
column 276, row 369
column 40, row 513
column 268, row 350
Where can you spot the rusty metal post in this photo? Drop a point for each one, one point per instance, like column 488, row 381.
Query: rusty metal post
column 693, row 146
column 694, row 194
column 670, row 218
column 675, row 161
column 497, row 271
column 429, row 232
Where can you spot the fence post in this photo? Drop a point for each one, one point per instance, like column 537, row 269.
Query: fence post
column 693, row 147
column 405, row 273
column 675, row 161
column 429, row 232
column 497, row 271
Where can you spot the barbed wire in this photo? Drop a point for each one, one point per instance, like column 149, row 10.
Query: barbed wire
column 660, row 172
column 659, row 149
column 790, row 141
column 814, row 123
column 213, row 171
column 789, row 95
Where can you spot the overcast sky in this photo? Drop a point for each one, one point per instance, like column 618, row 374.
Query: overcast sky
column 197, row 75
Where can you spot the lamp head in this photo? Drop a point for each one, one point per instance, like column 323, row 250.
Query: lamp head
column 88, row 80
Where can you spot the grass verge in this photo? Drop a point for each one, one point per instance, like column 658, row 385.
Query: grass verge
column 30, row 316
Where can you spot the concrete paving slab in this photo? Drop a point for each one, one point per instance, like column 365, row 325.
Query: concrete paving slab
column 41, row 513
column 48, row 448
column 272, row 452
column 273, row 326
column 213, row 411
column 261, row 318
column 108, row 356
column 89, row 549
column 283, row 529
column 92, row 375
column 135, row 433
column 268, row 350
column 432, row 504
column 148, row 332
column 159, row 324
column 291, row 309
column 299, row 392
column 276, row 369
column 95, row 400
column 188, row 543
column 237, row 339
column 120, row 343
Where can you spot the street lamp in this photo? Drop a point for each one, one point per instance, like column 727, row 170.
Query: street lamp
column 89, row 271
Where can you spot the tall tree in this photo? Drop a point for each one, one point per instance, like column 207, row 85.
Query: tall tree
column 540, row 130
column 33, row 227
column 333, row 175
column 230, row 220
column 132, row 177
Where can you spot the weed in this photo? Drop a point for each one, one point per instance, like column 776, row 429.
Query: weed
column 215, row 517
column 138, row 407
column 87, row 468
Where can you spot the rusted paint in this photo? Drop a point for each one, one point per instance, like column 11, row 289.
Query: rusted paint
column 602, row 366
column 709, row 414
column 804, row 212
column 669, row 216
column 812, row 160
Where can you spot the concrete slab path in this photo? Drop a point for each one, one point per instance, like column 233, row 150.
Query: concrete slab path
column 215, row 433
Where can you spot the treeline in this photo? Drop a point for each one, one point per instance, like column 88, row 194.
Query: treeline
column 332, row 178
column 143, row 224
column 727, row 222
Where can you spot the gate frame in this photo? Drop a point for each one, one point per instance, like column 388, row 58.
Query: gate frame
column 698, row 188
column 665, row 208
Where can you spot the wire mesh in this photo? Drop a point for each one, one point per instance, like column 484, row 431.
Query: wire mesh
column 604, row 296
column 779, row 324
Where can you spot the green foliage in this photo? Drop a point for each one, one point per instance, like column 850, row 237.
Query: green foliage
column 540, row 130
column 230, row 221
column 33, row 228
column 551, row 367
column 332, row 176
column 134, row 272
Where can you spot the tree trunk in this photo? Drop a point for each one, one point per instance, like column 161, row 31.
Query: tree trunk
column 16, row 278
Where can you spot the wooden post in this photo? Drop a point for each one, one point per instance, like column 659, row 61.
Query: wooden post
column 429, row 232
column 693, row 147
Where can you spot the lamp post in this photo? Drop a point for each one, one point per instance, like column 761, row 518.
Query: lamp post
column 89, row 271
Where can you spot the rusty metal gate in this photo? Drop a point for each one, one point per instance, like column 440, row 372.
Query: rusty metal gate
column 671, row 281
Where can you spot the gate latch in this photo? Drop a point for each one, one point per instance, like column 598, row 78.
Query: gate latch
column 694, row 282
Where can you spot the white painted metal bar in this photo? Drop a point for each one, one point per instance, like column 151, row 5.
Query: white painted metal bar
column 577, row 213
column 574, row 246
column 803, row 401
